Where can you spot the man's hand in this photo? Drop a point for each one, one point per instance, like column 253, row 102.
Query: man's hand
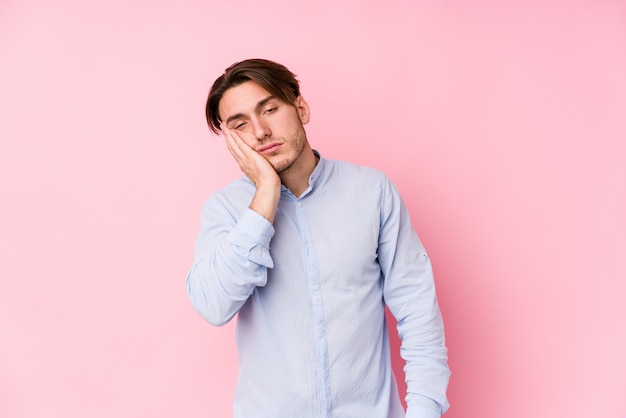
column 259, row 170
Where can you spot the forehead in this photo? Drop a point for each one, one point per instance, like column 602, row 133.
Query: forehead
column 242, row 99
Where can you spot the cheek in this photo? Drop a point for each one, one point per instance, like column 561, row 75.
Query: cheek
column 287, row 125
column 248, row 137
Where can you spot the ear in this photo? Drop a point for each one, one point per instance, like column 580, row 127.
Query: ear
column 302, row 107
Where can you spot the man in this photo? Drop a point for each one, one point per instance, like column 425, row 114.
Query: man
column 307, row 251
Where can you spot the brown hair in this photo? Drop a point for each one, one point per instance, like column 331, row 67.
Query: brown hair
column 273, row 77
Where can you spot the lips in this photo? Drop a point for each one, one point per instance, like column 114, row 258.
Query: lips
column 269, row 148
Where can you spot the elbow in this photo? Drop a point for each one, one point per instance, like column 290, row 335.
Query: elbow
column 210, row 310
column 215, row 320
column 213, row 317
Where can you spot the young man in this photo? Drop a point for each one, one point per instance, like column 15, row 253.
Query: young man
column 307, row 252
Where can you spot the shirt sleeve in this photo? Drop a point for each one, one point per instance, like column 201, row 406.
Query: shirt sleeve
column 231, row 259
column 409, row 292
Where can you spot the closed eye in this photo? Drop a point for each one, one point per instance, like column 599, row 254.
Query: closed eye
column 238, row 125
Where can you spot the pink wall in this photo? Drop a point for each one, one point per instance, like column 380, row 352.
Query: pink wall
column 504, row 127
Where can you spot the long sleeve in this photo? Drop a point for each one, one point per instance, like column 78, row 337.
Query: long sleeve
column 231, row 259
column 409, row 292
column 311, row 332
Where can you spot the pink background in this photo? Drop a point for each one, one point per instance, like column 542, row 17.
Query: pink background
column 502, row 123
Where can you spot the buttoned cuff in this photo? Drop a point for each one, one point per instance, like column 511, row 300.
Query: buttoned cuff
column 251, row 238
column 422, row 412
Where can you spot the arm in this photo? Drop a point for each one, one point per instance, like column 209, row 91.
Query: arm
column 231, row 259
column 232, row 250
column 409, row 292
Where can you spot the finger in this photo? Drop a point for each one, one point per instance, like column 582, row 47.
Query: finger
column 243, row 151
column 229, row 136
column 231, row 143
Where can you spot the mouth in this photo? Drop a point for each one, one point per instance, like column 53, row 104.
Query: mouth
column 269, row 148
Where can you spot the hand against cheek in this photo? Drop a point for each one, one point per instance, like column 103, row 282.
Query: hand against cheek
column 254, row 165
column 259, row 171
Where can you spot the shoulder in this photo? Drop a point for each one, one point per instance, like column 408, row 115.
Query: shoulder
column 356, row 171
column 357, row 177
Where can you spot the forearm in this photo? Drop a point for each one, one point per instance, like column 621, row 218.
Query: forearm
column 412, row 300
column 265, row 200
column 229, row 266
column 427, row 373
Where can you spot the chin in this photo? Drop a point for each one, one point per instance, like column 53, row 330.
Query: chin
column 282, row 166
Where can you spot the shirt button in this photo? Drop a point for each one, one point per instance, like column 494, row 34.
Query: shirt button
column 308, row 245
column 299, row 204
column 315, row 287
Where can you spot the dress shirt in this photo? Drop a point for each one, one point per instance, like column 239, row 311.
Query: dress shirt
column 310, row 293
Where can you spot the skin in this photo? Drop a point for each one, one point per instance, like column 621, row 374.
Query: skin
column 266, row 137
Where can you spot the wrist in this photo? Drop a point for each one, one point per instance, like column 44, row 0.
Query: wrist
column 265, row 201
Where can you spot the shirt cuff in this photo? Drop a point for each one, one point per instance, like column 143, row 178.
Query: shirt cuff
column 251, row 237
column 256, row 226
column 422, row 412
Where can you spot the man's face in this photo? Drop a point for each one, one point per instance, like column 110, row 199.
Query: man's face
column 268, row 125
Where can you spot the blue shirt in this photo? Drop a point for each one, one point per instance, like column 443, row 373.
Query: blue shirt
column 310, row 291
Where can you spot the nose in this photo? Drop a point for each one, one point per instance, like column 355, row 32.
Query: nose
column 261, row 130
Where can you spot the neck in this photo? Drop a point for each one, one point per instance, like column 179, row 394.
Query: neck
column 296, row 177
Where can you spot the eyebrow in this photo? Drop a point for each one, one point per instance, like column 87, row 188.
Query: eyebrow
column 257, row 107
